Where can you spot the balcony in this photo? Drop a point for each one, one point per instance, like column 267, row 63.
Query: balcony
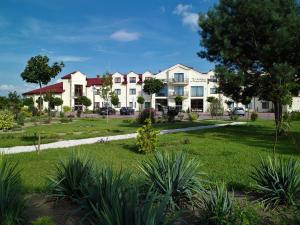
column 181, row 81
column 184, row 94
column 161, row 95
column 77, row 94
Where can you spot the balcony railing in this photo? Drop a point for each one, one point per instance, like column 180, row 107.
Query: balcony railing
column 77, row 94
column 161, row 95
column 178, row 81
column 182, row 94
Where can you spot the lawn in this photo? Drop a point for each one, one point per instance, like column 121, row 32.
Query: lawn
column 81, row 128
column 227, row 153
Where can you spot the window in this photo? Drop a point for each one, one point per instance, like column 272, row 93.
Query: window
column 163, row 92
column 118, row 91
column 179, row 77
column 265, row 105
column 132, row 91
column 132, row 80
column 78, row 90
column 213, row 90
column 178, row 90
column 118, row 80
column 197, row 91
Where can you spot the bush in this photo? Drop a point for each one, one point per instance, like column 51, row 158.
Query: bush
column 44, row 220
column 216, row 106
column 78, row 113
column 193, row 116
column 6, row 120
column 20, row 119
column 66, row 120
column 234, row 117
column 172, row 112
column 218, row 205
column 254, row 116
column 26, row 112
column 61, row 114
column 278, row 181
column 145, row 114
column 12, row 202
column 295, row 115
column 66, row 108
column 173, row 174
column 70, row 176
column 147, row 138
column 113, row 200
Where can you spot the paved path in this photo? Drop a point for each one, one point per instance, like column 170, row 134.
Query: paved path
column 71, row 143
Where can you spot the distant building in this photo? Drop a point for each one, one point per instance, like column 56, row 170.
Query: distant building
column 179, row 80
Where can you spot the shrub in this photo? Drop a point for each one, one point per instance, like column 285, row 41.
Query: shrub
column 173, row 174
column 145, row 114
column 172, row 112
column 218, row 205
column 278, row 181
column 216, row 107
column 78, row 113
column 12, row 202
column 147, row 138
column 66, row 120
column 186, row 141
column 234, row 117
column 70, row 176
column 26, row 112
column 61, row 114
column 295, row 115
column 66, row 108
column 6, row 120
column 254, row 116
column 193, row 116
column 44, row 220
column 20, row 119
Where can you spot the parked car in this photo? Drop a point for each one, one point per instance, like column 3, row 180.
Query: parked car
column 238, row 111
column 126, row 111
column 107, row 110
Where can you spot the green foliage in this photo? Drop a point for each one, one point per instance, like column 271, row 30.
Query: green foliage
column 66, row 108
column 44, row 220
column 141, row 100
column 14, row 103
column 6, row 120
column 113, row 200
column 172, row 112
column 178, row 100
column 146, row 139
column 216, row 107
column 234, row 117
column 152, row 86
column 295, row 115
column 174, row 174
column 3, row 102
column 278, row 181
column 254, row 116
column 70, row 176
column 193, row 116
column 210, row 99
column 218, row 205
column 85, row 101
column 146, row 114
column 20, row 119
column 11, row 198
column 114, row 99
column 28, row 102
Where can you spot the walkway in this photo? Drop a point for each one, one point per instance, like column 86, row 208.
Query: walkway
column 71, row 143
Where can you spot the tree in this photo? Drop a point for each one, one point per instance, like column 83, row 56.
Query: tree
column 52, row 102
column 3, row 102
column 152, row 86
column 216, row 107
column 256, row 46
column 141, row 101
column 14, row 103
column 38, row 71
column 106, row 90
column 114, row 99
column 178, row 100
column 28, row 102
column 85, row 101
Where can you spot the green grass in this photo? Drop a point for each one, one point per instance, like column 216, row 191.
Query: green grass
column 227, row 153
column 81, row 128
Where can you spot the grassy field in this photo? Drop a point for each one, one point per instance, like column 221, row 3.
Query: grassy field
column 81, row 128
column 227, row 153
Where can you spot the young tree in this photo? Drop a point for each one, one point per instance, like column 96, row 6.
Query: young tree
column 114, row 99
column 85, row 101
column 14, row 103
column 178, row 100
column 141, row 101
column 38, row 71
column 256, row 46
column 152, row 86
column 106, row 90
column 3, row 102
column 52, row 102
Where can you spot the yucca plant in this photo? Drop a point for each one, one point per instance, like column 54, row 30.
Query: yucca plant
column 174, row 174
column 70, row 176
column 11, row 198
column 218, row 205
column 278, row 181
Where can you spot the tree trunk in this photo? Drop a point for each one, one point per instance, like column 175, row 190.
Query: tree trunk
column 278, row 122
column 40, row 118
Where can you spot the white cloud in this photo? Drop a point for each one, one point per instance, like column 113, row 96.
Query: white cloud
column 162, row 9
column 70, row 58
column 123, row 35
column 189, row 18
column 7, row 87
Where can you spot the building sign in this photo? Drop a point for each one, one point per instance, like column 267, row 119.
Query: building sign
column 198, row 79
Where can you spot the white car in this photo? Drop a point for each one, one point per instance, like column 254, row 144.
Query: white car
column 238, row 111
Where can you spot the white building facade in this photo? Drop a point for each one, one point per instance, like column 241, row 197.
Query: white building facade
column 179, row 80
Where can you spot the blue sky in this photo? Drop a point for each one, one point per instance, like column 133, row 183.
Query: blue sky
column 96, row 36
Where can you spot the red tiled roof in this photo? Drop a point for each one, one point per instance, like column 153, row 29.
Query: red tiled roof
column 93, row 81
column 54, row 88
column 68, row 76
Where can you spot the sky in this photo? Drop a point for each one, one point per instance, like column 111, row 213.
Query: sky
column 95, row 36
